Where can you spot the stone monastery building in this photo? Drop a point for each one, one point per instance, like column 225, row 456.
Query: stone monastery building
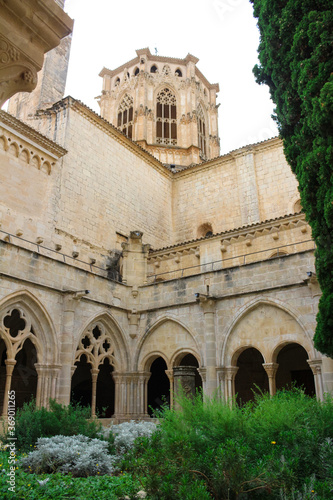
column 131, row 251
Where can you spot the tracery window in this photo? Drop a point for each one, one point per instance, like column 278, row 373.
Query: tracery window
column 166, row 117
column 94, row 362
column 19, row 347
column 202, row 139
column 125, row 116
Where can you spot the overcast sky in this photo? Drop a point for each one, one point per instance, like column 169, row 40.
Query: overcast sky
column 221, row 33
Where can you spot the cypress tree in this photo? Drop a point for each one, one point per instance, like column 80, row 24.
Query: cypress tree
column 296, row 62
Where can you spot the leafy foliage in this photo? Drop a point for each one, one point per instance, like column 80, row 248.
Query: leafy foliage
column 32, row 423
column 296, row 62
column 278, row 447
column 30, row 486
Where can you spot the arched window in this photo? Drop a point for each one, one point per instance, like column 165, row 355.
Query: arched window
column 166, row 117
column 205, row 230
column 125, row 116
column 136, row 71
column 153, row 69
column 178, row 72
column 201, row 132
column 116, row 83
column 92, row 382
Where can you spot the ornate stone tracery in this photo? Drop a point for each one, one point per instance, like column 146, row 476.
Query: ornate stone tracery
column 202, row 138
column 166, row 117
column 95, row 347
column 125, row 116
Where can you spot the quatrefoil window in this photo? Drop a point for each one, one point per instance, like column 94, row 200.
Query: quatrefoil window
column 86, row 342
column 14, row 323
column 106, row 346
column 95, row 347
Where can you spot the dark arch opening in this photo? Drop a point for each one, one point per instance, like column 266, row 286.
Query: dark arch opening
column 82, row 383
column 136, row 71
column 153, row 69
column 251, row 377
column 24, row 379
column 105, row 390
column 190, row 360
column 178, row 72
column 294, row 370
column 158, row 386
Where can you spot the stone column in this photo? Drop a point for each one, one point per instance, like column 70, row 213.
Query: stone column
column 208, row 305
column 55, row 369
column 10, row 363
column 203, row 372
column 316, row 367
column 130, row 394
column 221, row 375
column 271, row 369
column 230, row 374
column 171, row 380
column 66, row 353
column 184, row 382
column 94, row 376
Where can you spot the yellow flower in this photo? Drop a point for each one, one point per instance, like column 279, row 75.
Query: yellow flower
column 273, row 442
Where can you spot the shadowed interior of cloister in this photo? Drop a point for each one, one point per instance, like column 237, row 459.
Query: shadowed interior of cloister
column 294, row 370
column 159, row 381
column 251, row 377
column 290, row 370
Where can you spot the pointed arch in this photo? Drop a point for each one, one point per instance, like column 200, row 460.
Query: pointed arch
column 25, row 156
column 236, row 338
column 14, row 149
column 46, row 167
column 125, row 115
column 34, row 313
column 202, row 131
column 166, row 116
column 3, row 143
column 162, row 334
column 112, row 332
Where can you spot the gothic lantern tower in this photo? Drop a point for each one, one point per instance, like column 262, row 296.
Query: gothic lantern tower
column 164, row 104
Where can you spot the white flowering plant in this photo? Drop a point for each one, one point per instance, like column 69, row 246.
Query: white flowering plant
column 78, row 455
column 124, row 435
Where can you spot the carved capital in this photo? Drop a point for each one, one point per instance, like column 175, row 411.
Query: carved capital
column 28, row 30
column 270, row 369
column 315, row 365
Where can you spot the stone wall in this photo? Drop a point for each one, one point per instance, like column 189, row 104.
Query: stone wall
column 245, row 187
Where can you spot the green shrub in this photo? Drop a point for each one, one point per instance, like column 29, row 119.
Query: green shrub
column 280, row 447
column 32, row 423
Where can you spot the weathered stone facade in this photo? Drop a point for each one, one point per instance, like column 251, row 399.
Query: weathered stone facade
column 115, row 268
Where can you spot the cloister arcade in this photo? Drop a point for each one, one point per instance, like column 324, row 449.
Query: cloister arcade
column 258, row 353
